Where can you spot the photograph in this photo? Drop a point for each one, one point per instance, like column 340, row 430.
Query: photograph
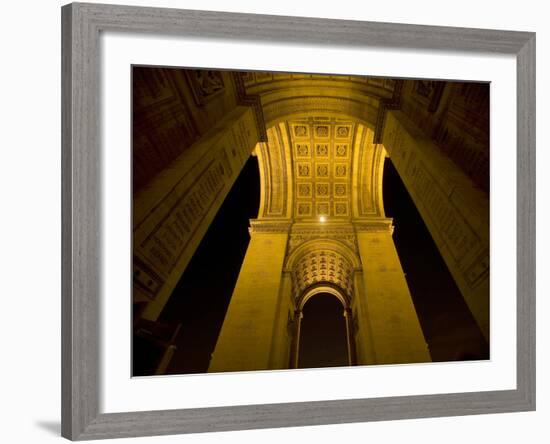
column 275, row 222
column 285, row 220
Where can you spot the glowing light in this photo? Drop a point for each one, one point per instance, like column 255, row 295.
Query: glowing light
column 322, row 219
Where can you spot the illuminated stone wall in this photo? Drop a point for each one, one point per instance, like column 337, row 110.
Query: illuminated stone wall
column 248, row 332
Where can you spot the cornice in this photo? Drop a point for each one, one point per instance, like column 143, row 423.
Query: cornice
column 252, row 100
column 379, row 225
column 387, row 104
column 269, row 226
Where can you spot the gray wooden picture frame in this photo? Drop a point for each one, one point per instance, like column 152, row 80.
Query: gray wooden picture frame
column 81, row 172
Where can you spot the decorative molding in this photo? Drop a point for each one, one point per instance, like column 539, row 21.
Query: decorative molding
column 174, row 227
column 368, row 178
column 298, row 239
column 145, row 279
column 267, row 226
column 268, row 81
column 253, row 100
column 322, row 266
column 357, row 108
column 163, row 127
column 387, row 104
column 205, row 84
column 428, row 93
column 276, row 188
column 342, row 233
column 449, row 221
column 373, row 225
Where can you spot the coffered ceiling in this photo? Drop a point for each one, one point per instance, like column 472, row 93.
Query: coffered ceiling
column 320, row 167
column 321, row 149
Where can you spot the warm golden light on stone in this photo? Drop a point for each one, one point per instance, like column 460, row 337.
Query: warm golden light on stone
column 321, row 143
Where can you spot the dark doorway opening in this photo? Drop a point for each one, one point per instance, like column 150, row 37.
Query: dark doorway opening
column 323, row 335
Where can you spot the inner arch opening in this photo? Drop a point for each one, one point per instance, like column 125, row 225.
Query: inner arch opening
column 323, row 334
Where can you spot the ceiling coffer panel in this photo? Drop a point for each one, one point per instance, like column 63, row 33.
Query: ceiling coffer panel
column 322, row 153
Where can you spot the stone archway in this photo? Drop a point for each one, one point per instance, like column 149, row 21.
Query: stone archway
column 322, row 220
column 321, row 142
column 324, row 288
column 323, row 334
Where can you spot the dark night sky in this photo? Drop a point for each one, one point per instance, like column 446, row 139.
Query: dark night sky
column 202, row 295
column 449, row 327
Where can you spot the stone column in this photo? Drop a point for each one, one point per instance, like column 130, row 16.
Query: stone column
column 363, row 336
column 352, row 356
column 282, row 331
column 397, row 337
column 172, row 214
column 246, row 338
column 455, row 211
column 295, row 358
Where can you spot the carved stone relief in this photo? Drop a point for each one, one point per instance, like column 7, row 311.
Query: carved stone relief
column 162, row 233
column 465, row 247
column 323, row 266
column 322, row 148
column 342, row 233
column 205, row 84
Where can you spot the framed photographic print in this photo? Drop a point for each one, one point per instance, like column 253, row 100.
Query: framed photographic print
column 279, row 221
